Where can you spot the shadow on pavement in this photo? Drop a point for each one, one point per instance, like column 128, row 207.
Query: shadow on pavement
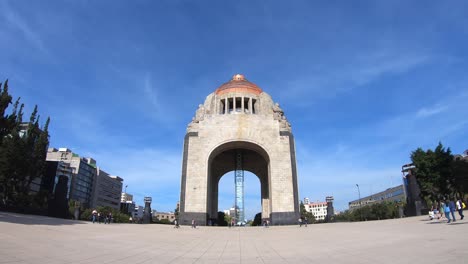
column 16, row 218
column 458, row 223
column 445, row 222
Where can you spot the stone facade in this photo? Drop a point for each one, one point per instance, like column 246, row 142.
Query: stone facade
column 239, row 117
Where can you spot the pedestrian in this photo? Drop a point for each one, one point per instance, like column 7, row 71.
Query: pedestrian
column 441, row 209
column 94, row 214
column 194, row 224
column 460, row 206
column 267, row 223
column 105, row 218
column 109, row 216
column 305, row 221
column 99, row 217
column 176, row 224
column 300, row 221
column 446, row 211
column 452, row 209
column 130, row 219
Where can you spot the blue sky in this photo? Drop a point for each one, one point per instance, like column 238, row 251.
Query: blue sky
column 363, row 83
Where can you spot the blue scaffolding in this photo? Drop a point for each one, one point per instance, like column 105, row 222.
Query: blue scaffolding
column 239, row 185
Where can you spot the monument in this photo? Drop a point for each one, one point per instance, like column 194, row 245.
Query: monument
column 239, row 127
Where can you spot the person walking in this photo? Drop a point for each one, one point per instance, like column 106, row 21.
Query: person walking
column 176, row 224
column 460, row 206
column 452, row 207
column 99, row 217
column 446, row 211
column 194, row 224
column 305, row 221
column 94, row 214
column 300, row 221
column 441, row 209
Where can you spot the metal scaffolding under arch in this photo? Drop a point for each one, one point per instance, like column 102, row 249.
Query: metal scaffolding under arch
column 239, row 191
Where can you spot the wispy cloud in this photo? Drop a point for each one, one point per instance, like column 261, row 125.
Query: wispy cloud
column 426, row 112
column 330, row 80
column 15, row 20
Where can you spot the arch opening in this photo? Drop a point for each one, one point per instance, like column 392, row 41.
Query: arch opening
column 226, row 196
column 222, row 161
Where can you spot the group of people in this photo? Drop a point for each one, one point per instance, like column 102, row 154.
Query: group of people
column 448, row 208
column 98, row 217
column 302, row 221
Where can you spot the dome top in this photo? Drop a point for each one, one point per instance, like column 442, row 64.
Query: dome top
column 238, row 83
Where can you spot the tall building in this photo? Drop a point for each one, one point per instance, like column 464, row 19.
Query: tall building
column 90, row 185
column 108, row 190
column 306, row 200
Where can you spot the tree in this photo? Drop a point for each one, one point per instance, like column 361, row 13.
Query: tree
column 22, row 155
column 257, row 220
column 304, row 213
column 222, row 219
column 460, row 175
column 434, row 172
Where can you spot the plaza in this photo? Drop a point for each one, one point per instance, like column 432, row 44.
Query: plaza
column 37, row 239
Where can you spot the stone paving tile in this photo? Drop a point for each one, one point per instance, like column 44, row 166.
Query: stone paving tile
column 35, row 239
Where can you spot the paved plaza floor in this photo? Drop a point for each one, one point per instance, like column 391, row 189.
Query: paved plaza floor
column 36, row 239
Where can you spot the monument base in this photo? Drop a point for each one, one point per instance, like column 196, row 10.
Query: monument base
column 187, row 217
column 284, row 218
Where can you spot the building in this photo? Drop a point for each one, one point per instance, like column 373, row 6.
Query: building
column 107, row 191
column 306, row 200
column 394, row 194
column 230, row 212
column 170, row 216
column 125, row 197
column 138, row 212
column 90, row 185
column 127, row 205
column 239, row 128
column 318, row 209
column 83, row 174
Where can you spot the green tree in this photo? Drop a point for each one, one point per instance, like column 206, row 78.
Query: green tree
column 222, row 219
column 460, row 175
column 22, row 155
column 434, row 172
column 304, row 213
column 257, row 220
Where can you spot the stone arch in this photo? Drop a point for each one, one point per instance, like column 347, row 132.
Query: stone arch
column 222, row 160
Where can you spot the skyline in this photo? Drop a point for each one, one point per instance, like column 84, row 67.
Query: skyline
column 362, row 84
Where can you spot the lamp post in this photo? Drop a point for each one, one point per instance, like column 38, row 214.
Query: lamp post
column 126, row 188
column 360, row 203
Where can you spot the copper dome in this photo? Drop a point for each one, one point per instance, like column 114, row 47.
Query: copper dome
column 238, row 84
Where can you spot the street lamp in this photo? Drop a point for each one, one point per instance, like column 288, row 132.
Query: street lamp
column 126, row 188
column 360, row 203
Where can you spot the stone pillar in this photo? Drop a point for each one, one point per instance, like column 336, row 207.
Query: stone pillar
column 242, row 104
column 234, row 104
column 226, row 105
column 250, row 105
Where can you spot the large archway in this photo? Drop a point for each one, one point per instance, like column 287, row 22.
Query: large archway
column 223, row 160
column 239, row 117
